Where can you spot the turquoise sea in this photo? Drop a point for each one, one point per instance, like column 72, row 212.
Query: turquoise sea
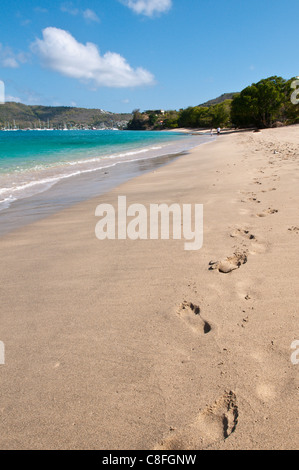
column 31, row 162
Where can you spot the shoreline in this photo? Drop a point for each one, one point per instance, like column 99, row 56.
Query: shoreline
column 75, row 188
column 103, row 349
column 55, row 200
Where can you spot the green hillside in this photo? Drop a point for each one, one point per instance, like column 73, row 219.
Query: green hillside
column 220, row 99
column 58, row 117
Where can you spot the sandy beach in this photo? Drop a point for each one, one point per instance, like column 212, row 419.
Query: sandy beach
column 122, row 344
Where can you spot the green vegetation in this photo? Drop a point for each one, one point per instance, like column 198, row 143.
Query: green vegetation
column 59, row 117
column 217, row 115
column 220, row 99
column 263, row 104
column 198, row 116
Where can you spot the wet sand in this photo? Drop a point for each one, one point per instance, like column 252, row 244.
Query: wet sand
column 77, row 189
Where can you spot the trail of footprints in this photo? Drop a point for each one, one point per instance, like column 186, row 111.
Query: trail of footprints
column 282, row 151
column 218, row 421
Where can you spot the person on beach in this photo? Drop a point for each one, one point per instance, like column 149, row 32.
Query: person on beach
column 218, row 130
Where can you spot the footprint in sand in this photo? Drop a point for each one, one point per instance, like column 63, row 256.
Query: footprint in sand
column 294, row 229
column 267, row 212
column 256, row 247
column 254, row 199
column 190, row 313
column 214, row 424
column 268, row 190
column 230, row 263
column 242, row 233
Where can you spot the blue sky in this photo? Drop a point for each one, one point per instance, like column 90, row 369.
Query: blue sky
column 119, row 55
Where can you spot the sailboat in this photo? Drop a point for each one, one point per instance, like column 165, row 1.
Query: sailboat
column 8, row 128
column 15, row 128
column 48, row 127
column 40, row 126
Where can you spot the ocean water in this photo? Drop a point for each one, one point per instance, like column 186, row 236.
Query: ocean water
column 31, row 162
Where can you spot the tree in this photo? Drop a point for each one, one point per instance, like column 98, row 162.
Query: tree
column 259, row 104
column 139, row 122
column 290, row 109
column 220, row 114
column 188, row 117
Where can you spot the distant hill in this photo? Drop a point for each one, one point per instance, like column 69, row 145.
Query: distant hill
column 220, row 99
column 58, row 117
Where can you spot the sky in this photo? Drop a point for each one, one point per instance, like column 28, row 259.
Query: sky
column 120, row 55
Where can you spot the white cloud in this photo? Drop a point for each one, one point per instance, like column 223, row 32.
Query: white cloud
column 26, row 22
column 148, row 7
column 9, row 62
column 61, row 52
column 68, row 8
column 10, row 59
column 90, row 15
column 40, row 10
column 15, row 99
